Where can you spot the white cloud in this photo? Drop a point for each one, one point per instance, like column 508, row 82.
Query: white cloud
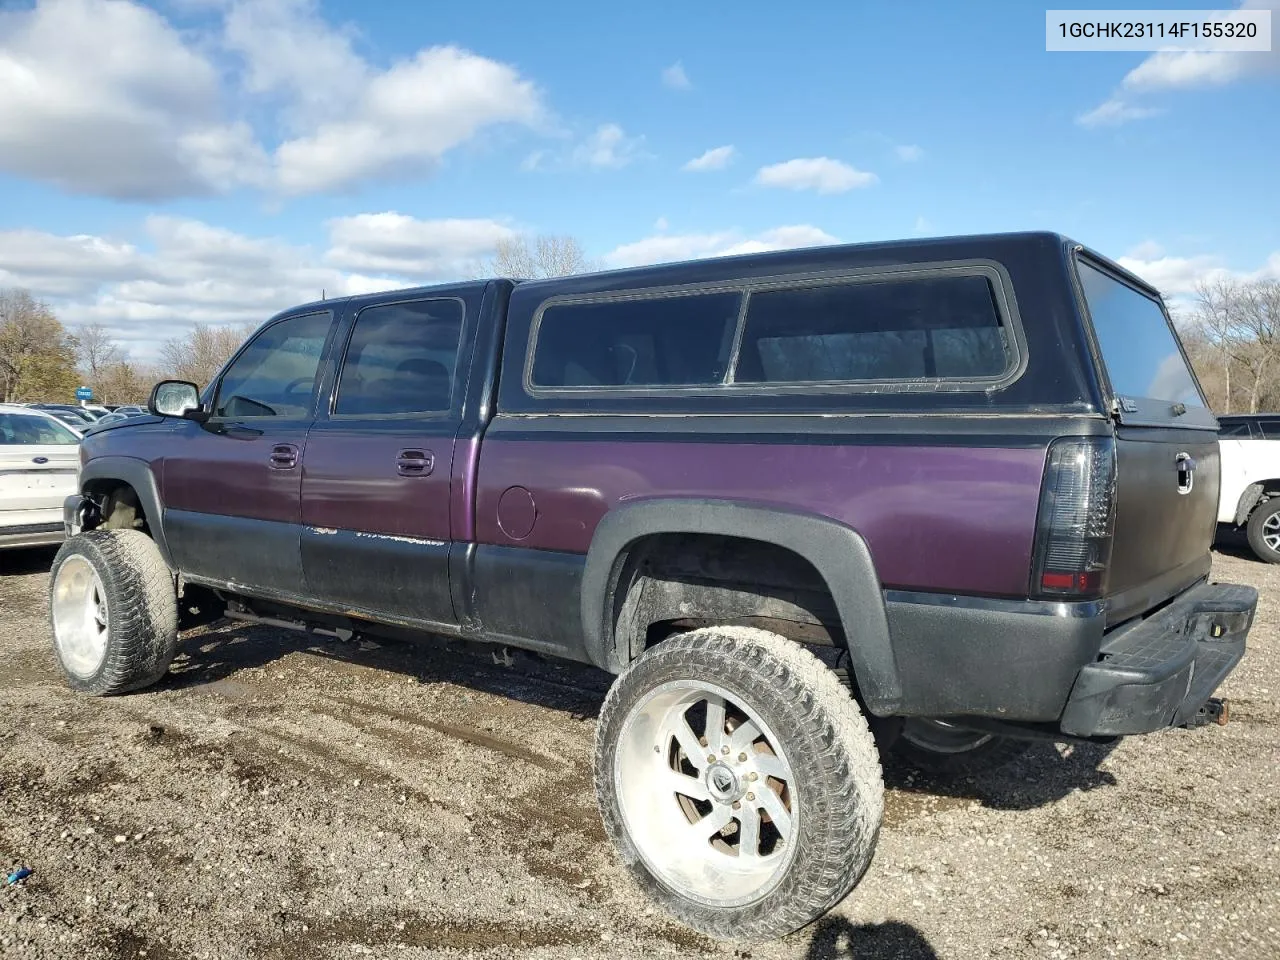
column 608, row 146
column 1177, row 277
column 191, row 272
column 909, row 152
column 670, row 247
column 1115, row 112
column 660, row 224
column 393, row 243
column 675, row 77
column 1181, row 70
column 407, row 118
column 818, row 173
column 1188, row 68
column 717, row 158
column 1146, row 250
column 1174, row 276
column 57, row 266
column 107, row 97
column 290, row 53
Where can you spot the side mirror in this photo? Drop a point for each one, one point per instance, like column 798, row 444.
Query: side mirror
column 175, row 398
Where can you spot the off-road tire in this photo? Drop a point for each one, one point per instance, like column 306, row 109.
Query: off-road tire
column 987, row 755
column 832, row 754
column 1263, row 512
column 141, row 601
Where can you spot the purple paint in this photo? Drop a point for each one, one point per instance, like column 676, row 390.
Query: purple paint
column 935, row 518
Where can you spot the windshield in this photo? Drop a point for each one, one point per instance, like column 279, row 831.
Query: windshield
column 1139, row 348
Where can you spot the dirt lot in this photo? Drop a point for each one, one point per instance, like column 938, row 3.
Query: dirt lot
column 284, row 798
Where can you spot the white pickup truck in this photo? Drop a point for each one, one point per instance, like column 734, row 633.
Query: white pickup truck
column 1250, row 492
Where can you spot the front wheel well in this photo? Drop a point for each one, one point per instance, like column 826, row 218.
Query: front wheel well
column 118, row 506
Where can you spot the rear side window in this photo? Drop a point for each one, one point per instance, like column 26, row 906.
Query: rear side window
column 401, row 359
column 1238, row 430
column 650, row 342
column 1270, row 429
column 1138, row 345
column 22, row 429
column 934, row 328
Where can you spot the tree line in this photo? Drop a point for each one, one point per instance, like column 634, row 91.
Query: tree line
column 42, row 360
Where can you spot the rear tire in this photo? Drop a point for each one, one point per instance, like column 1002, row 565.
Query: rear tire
column 1264, row 523
column 766, row 818
column 113, row 609
column 944, row 750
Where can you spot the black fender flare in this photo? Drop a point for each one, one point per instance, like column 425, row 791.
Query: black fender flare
column 137, row 474
column 1249, row 498
column 837, row 552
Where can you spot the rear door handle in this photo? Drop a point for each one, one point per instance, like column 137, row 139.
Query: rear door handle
column 284, row 456
column 415, row 463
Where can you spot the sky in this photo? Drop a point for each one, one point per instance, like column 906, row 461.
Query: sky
column 216, row 161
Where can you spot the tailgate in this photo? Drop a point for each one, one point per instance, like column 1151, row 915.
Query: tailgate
column 1167, row 460
column 1166, row 515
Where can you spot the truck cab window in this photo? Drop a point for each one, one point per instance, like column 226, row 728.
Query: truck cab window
column 275, row 376
column 401, row 359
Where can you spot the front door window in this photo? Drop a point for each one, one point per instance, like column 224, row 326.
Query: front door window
column 275, row 376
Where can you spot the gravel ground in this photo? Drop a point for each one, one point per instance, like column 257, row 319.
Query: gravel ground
column 285, row 798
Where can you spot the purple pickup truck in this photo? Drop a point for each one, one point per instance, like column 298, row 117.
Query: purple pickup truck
column 938, row 497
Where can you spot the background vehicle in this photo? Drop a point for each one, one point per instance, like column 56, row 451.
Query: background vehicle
column 39, row 462
column 66, row 412
column 935, row 496
column 130, row 410
column 77, row 424
column 109, row 418
column 1250, row 499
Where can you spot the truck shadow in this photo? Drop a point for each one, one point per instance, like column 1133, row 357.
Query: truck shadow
column 1046, row 773
column 224, row 649
column 835, row 938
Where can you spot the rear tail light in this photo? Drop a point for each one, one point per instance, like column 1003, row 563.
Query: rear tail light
column 1077, row 519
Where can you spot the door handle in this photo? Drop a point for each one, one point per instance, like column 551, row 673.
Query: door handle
column 284, row 456
column 415, row 463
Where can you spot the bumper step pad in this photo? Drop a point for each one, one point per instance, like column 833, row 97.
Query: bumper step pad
column 1161, row 671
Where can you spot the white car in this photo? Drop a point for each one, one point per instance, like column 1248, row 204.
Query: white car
column 39, row 468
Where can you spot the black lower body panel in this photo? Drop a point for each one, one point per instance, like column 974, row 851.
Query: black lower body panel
column 1004, row 659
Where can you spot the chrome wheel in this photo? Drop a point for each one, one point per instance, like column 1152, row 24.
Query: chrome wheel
column 706, row 793
column 942, row 737
column 80, row 618
column 1271, row 532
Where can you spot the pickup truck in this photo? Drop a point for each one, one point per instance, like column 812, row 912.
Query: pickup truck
column 1250, row 497
column 939, row 497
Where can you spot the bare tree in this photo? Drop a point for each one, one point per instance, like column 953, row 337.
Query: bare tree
column 97, row 351
column 199, row 355
column 123, row 382
column 1241, row 323
column 37, row 355
column 547, row 256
